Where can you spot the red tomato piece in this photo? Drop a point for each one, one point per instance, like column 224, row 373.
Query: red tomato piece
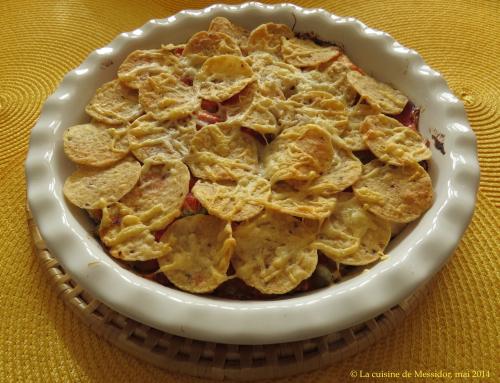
column 209, row 106
column 192, row 181
column 158, row 234
column 209, row 118
column 409, row 116
column 191, row 204
column 187, row 81
column 232, row 100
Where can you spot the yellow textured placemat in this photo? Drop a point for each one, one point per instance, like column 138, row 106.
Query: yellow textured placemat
column 455, row 328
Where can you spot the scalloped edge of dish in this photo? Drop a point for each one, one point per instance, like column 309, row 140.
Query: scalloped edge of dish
column 252, row 322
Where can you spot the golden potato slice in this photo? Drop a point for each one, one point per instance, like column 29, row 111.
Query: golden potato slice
column 267, row 37
column 222, row 152
column 352, row 235
column 96, row 188
column 292, row 113
column 393, row 142
column 95, row 144
column 202, row 246
column 235, row 106
column 299, row 153
column 314, row 107
column 223, row 25
column 275, row 78
column 399, row 194
column 114, row 103
column 286, row 199
column 204, row 45
column 149, row 137
column 167, row 98
column 222, row 77
column 332, row 79
column 141, row 64
column 379, row 95
column 235, row 201
column 127, row 237
column 318, row 99
column 305, row 53
column 274, row 253
column 259, row 116
column 352, row 135
column 344, row 171
column 160, row 193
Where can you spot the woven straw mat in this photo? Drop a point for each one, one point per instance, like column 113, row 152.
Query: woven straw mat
column 453, row 328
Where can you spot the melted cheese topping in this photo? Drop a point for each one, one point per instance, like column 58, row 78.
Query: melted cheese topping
column 236, row 201
column 96, row 188
column 167, row 98
column 274, row 253
column 149, row 137
column 221, row 77
column 162, row 188
column 298, row 153
column 305, row 53
column 114, row 103
column 222, row 152
column 127, row 237
column 267, row 123
column 377, row 94
column 201, row 248
column 399, row 194
column 352, row 235
column 141, row 64
column 392, row 142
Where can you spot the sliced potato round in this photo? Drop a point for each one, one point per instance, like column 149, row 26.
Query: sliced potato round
column 292, row 113
column 95, row 144
column 127, row 237
column 202, row 246
column 352, row 235
column 114, row 103
column 352, row 135
column 274, row 253
column 344, row 171
column 235, row 201
column 286, row 199
column 149, row 137
column 278, row 80
column 275, row 78
column 96, row 188
column 299, row 153
column 167, row 98
column 222, row 152
column 393, row 142
column 221, row 77
column 141, row 64
column 223, row 25
column 235, row 106
column 305, row 53
column 160, row 193
column 259, row 116
column 399, row 194
column 209, row 44
column 314, row 107
column 379, row 95
column 267, row 37
column 318, row 99
column 332, row 79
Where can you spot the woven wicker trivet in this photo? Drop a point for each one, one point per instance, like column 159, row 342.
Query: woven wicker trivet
column 215, row 360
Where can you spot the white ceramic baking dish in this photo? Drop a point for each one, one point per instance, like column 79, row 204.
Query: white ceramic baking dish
column 415, row 256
